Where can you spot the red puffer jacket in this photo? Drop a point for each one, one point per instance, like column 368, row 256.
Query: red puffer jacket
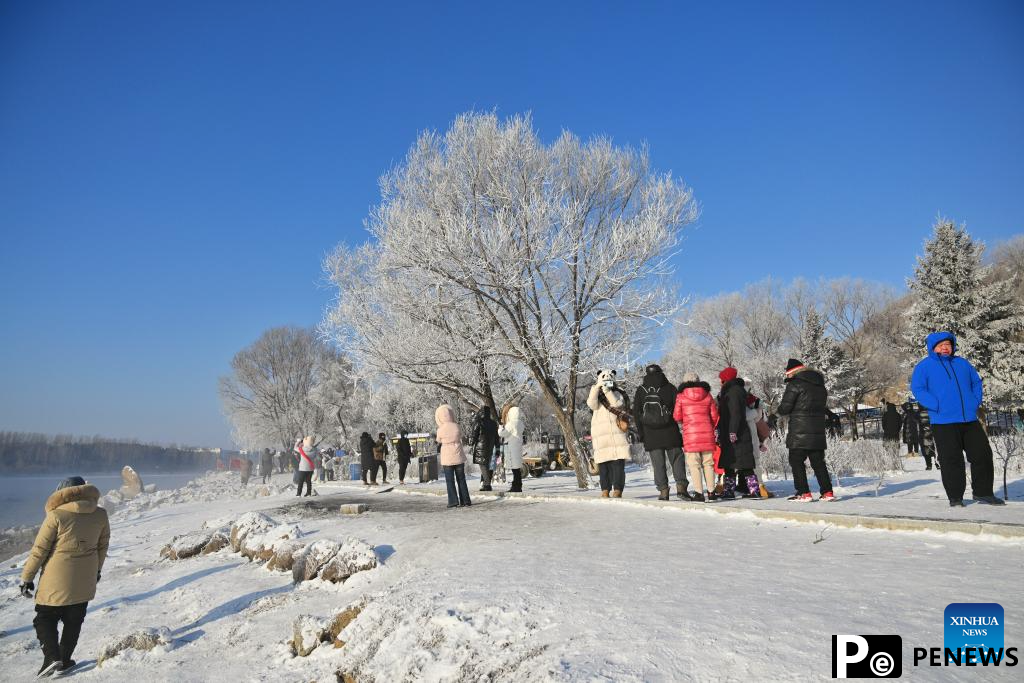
column 697, row 414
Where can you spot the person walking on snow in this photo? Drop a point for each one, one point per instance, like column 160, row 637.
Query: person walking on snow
column 697, row 415
column 484, row 439
column 653, row 403
column 911, row 428
column 305, row 453
column 366, row 459
column 805, row 401
column 68, row 552
column 950, row 389
column 611, row 447
column 734, row 437
column 245, row 469
column 404, row 450
column 380, row 457
column 512, row 431
column 452, row 456
column 267, row 465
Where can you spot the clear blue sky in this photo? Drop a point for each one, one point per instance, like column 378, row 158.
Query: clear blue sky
column 171, row 174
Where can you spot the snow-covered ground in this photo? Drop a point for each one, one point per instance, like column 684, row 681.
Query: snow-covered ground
column 533, row 588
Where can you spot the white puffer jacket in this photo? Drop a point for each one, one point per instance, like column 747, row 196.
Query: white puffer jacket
column 609, row 442
column 512, row 432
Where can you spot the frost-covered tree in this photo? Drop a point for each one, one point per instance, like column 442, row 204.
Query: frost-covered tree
column 563, row 250
column 953, row 292
column 821, row 352
column 269, row 396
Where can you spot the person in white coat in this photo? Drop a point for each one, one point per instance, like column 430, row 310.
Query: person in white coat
column 511, row 430
column 611, row 447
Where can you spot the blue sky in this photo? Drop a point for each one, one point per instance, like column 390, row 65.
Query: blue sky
column 172, row 174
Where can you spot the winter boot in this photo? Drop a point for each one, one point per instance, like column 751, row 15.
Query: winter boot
column 989, row 500
column 801, row 497
column 697, row 497
column 49, row 666
column 753, row 488
column 827, row 497
column 616, row 494
column 728, row 487
column 719, row 488
column 604, row 494
column 662, row 494
column 486, row 487
column 682, row 493
column 956, row 504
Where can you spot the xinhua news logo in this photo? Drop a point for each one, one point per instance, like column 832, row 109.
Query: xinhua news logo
column 974, row 629
column 867, row 656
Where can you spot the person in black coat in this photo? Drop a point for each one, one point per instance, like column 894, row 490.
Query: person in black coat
column 805, row 402
column 926, row 440
column 366, row 463
column 734, row 437
column 892, row 423
column 404, row 450
column 485, row 438
column 653, row 404
column 911, row 427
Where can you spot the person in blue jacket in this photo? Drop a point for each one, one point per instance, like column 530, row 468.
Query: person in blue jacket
column 949, row 388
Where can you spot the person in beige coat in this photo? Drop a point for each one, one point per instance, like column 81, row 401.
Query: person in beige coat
column 611, row 447
column 452, row 456
column 68, row 552
column 511, row 430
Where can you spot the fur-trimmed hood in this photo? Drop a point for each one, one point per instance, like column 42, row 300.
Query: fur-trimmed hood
column 86, row 496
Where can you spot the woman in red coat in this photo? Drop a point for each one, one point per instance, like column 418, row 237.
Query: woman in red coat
column 697, row 415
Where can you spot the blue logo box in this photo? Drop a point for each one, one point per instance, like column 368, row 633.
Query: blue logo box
column 973, row 624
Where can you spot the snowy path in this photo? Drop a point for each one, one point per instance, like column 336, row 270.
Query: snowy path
column 531, row 590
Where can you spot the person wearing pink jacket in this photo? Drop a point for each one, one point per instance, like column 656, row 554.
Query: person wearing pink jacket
column 452, row 456
column 697, row 415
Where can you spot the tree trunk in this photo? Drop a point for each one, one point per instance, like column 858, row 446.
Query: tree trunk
column 853, row 420
column 567, row 423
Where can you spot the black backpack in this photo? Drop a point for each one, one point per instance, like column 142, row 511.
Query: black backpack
column 652, row 411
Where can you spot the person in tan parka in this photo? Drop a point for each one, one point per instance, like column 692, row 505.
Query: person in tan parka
column 69, row 551
column 611, row 447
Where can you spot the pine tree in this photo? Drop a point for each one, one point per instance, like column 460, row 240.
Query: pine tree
column 821, row 352
column 955, row 293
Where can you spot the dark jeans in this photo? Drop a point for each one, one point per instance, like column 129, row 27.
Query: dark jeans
column 455, row 479
column 911, row 447
column 661, row 460
column 517, row 480
column 46, row 629
column 403, row 465
column 797, row 456
column 613, row 475
column 307, row 479
column 268, row 476
column 952, row 441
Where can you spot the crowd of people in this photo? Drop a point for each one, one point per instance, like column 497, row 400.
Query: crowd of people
column 709, row 441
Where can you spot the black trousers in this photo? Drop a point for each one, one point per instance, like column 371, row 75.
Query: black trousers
column 951, row 442
column 403, row 465
column 797, row 458
column 613, row 475
column 61, row 649
column 911, row 447
column 307, row 479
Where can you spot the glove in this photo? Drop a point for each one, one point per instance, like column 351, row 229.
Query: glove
column 27, row 588
column 733, row 438
column 97, row 577
column 764, row 449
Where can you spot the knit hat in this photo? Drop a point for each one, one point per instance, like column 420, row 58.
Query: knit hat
column 653, row 367
column 728, row 375
column 691, row 377
column 792, row 365
column 69, row 482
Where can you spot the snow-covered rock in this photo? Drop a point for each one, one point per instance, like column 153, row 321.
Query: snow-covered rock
column 341, row 620
column 131, row 483
column 249, row 523
column 284, row 555
column 307, row 634
column 189, row 545
column 261, row 546
column 308, row 564
column 353, row 556
column 146, row 639
column 353, row 508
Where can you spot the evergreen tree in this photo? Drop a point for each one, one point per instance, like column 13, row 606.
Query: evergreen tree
column 954, row 292
column 821, row 352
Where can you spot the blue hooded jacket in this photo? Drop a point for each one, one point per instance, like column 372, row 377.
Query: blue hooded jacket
column 949, row 387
